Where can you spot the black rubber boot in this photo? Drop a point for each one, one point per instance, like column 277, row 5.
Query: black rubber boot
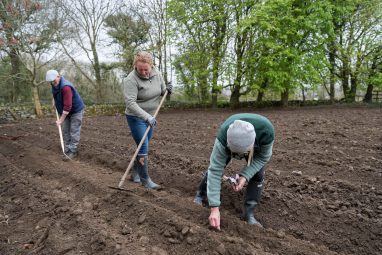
column 252, row 199
column 201, row 193
column 143, row 171
column 134, row 173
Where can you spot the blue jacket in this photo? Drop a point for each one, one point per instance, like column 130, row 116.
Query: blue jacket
column 77, row 103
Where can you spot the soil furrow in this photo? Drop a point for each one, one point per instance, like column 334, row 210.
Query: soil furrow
column 81, row 201
column 322, row 189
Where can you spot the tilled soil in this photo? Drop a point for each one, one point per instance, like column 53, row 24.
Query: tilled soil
column 322, row 191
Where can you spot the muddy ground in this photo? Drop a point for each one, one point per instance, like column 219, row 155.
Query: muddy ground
column 322, row 192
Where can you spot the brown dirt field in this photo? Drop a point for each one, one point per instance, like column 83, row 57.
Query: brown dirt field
column 322, row 192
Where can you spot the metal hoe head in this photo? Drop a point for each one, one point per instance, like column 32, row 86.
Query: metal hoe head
column 120, row 189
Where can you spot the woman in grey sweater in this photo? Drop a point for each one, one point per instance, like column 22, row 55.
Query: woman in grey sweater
column 143, row 89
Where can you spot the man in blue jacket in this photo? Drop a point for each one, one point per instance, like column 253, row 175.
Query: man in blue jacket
column 70, row 107
column 242, row 136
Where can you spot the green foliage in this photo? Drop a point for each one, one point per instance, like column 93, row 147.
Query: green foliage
column 129, row 34
column 104, row 109
column 192, row 73
column 17, row 18
column 356, row 42
column 376, row 80
column 249, row 47
column 289, row 46
column 13, row 87
column 201, row 32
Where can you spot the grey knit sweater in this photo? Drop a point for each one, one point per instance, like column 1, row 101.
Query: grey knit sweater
column 142, row 95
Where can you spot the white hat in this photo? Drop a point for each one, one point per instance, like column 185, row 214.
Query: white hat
column 241, row 136
column 51, row 75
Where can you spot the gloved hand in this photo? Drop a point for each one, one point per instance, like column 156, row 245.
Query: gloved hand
column 169, row 87
column 151, row 121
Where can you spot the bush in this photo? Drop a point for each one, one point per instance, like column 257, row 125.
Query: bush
column 104, row 109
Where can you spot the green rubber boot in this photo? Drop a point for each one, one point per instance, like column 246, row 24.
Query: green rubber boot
column 134, row 173
column 143, row 171
column 252, row 199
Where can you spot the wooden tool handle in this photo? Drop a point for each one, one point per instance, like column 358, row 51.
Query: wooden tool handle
column 140, row 144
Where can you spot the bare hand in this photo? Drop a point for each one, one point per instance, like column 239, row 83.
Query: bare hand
column 61, row 120
column 214, row 218
column 240, row 184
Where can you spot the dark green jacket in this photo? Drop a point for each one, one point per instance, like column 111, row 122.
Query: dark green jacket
column 220, row 155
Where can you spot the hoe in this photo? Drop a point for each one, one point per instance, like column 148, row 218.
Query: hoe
column 61, row 139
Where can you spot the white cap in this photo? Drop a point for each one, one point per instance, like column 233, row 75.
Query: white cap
column 51, row 75
column 241, row 136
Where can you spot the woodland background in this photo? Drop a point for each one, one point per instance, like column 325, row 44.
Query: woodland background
column 216, row 53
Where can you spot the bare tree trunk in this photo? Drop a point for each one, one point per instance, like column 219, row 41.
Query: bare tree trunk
column 332, row 74
column 303, row 94
column 261, row 93
column 354, row 80
column 214, row 87
column 284, row 98
column 345, row 74
column 15, row 72
column 235, row 96
column 353, row 88
column 97, row 71
column 217, row 52
column 369, row 94
column 36, row 101
column 214, row 100
column 203, row 92
column 260, row 96
column 370, row 87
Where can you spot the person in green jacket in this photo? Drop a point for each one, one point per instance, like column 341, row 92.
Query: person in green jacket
column 242, row 136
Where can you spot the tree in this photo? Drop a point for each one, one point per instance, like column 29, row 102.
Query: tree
column 202, row 35
column 14, row 15
column 129, row 33
column 154, row 12
column 32, row 44
column 192, row 71
column 374, row 74
column 244, row 69
column 357, row 36
column 86, row 20
column 290, row 41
